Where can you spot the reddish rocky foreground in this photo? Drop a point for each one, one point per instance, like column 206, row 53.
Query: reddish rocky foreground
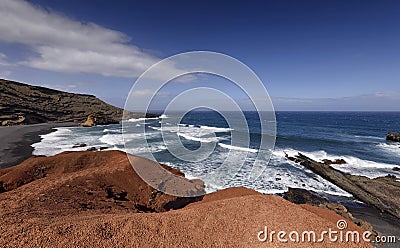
column 95, row 199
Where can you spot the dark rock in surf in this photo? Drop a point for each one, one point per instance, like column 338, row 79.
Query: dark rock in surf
column 393, row 136
column 337, row 161
column 79, row 145
column 302, row 196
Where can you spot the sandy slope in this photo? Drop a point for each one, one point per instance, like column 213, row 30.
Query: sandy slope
column 95, row 199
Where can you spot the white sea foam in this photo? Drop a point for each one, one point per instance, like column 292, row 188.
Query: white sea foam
column 118, row 139
column 59, row 141
column 136, row 119
column 185, row 125
column 275, row 178
column 198, row 139
column 155, row 128
column 112, row 139
column 369, row 137
column 60, row 132
column 191, row 132
column 217, row 129
column 63, row 139
column 281, row 191
column 238, row 148
column 143, row 119
column 272, row 191
column 112, row 130
column 390, row 148
column 153, row 148
column 354, row 166
column 337, row 193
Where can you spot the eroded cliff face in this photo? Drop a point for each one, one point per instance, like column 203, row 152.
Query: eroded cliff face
column 27, row 104
column 99, row 181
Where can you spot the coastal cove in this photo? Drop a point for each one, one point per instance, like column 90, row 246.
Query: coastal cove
column 352, row 142
column 223, row 124
column 355, row 137
column 96, row 199
column 53, row 138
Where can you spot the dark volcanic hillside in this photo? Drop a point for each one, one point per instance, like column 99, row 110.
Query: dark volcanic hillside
column 26, row 104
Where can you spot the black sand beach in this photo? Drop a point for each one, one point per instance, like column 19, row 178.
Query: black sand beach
column 15, row 141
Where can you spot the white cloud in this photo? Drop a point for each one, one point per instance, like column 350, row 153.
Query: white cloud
column 4, row 74
column 3, row 60
column 4, row 64
column 278, row 100
column 146, row 93
column 62, row 44
column 139, row 93
column 67, row 88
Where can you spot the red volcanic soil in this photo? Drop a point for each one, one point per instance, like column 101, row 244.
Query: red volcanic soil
column 95, row 199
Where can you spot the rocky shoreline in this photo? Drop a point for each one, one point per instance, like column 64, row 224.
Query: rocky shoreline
column 382, row 193
column 95, row 199
column 302, row 196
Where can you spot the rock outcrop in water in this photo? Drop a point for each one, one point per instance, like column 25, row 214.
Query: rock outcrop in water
column 26, row 104
column 382, row 192
column 98, row 119
column 337, row 161
column 393, row 137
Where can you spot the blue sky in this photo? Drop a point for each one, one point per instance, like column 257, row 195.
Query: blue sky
column 311, row 55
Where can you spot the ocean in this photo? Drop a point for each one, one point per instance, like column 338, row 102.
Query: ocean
column 356, row 137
